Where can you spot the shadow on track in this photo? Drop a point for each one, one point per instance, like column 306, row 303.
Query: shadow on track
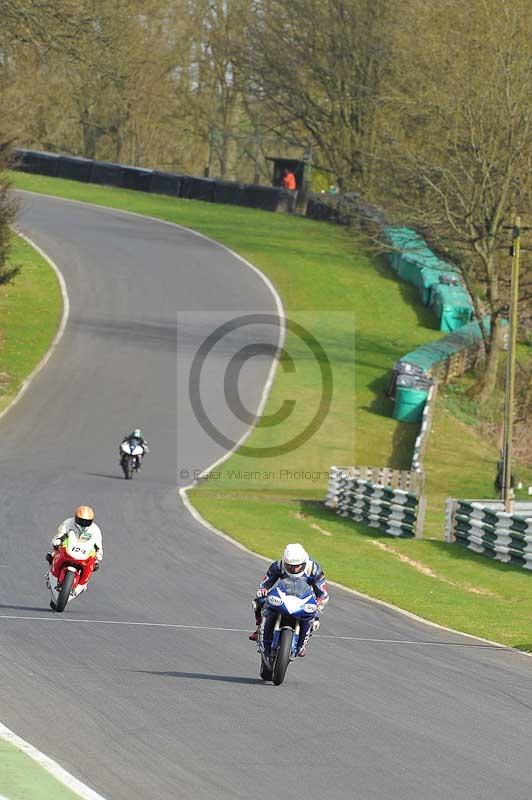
column 201, row 676
column 43, row 608
column 103, row 475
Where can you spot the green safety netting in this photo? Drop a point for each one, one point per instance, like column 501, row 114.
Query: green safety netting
column 428, row 278
column 452, row 305
column 416, row 264
column 441, row 287
column 404, row 240
column 409, row 403
column 430, row 354
column 412, row 255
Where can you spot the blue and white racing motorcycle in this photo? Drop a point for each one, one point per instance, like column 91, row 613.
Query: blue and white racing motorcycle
column 290, row 602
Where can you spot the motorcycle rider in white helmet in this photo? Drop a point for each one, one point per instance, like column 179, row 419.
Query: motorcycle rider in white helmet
column 81, row 522
column 136, row 437
column 295, row 563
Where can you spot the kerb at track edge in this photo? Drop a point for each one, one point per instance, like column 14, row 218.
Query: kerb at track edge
column 51, row 766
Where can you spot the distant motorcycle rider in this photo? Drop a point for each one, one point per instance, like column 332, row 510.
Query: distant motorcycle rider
column 136, row 439
column 295, row 563
column 82, row 523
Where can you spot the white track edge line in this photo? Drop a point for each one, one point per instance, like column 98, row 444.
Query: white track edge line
column 84, row 791
column 183, row 490
column 7, row 735
column 269, row 285
column 217, row 629
column 373, row 600
column 60, row 331
column 51, row 766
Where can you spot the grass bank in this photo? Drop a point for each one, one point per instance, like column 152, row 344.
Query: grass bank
column 366, row 320
column 21, row 778
column 30, row 312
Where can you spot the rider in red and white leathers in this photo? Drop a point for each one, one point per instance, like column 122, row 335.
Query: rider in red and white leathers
column 295, row 563
column 81, row 522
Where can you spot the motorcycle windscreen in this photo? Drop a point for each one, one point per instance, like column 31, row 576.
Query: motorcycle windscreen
column 295, row 587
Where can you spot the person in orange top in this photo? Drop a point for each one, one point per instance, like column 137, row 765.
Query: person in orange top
column 289, row 180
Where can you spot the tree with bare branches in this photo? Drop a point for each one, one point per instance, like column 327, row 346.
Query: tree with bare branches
column 459, row 155
column 320, row 68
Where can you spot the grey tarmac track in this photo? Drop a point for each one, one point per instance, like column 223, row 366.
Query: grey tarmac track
column 140, row 711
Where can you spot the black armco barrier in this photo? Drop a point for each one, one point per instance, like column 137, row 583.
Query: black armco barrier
column 74, row 168
column 229, row 192
column 137, row 178
column 165, row 183
column 37, row 162
column 269, row 198
column 197, row 188
column 107, row 173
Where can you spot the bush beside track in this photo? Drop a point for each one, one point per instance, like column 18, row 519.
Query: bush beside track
column 317, row 266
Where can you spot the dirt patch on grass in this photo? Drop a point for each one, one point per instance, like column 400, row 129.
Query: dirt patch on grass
column 321, row 530
column 429, row 572
column 313, row 525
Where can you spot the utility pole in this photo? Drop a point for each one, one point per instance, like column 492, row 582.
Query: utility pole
column 509, row 398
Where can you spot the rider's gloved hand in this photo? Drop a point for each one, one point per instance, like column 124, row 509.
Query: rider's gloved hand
column 56, row 542
column 262, row 592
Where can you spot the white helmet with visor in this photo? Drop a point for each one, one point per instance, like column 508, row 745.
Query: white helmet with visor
column 295, row 559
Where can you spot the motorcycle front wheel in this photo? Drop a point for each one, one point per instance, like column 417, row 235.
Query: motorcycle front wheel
column 64, row 591
column 283, row 656
column 127, row 466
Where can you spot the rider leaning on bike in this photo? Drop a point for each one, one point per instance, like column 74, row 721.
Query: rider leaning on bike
column 295, row 563
column 136, row 437
column 81, row 523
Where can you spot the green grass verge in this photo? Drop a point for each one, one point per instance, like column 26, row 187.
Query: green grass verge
column 322, row 268
column 21, row 778
column 30, row 311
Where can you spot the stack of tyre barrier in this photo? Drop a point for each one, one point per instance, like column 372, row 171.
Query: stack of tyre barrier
column 390, row 509
column 346, row 209
column 483, row 527
column 105, row 173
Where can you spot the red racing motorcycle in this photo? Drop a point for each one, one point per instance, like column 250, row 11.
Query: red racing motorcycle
column 71, row 568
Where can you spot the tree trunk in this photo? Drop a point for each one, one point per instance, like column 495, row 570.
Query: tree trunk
column 485, row 386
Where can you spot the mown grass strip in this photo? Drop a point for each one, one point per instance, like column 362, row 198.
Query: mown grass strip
column 22, row 779
column 30, row 312
column 322, row 268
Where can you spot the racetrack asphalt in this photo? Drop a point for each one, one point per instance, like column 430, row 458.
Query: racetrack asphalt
column 400, row 710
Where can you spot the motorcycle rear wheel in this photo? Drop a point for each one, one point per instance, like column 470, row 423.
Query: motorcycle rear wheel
column 64, row 592
column 283, row 656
